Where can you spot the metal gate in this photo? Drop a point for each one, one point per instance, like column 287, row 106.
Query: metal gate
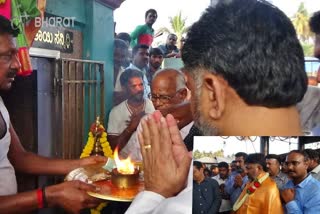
column 79, row 94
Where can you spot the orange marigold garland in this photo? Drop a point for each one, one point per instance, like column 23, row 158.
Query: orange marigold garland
column 97, row 141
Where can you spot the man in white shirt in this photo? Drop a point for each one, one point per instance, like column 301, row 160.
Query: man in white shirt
column 168, row 89
column 221, row 178
column 125, row 117
column 140, row 60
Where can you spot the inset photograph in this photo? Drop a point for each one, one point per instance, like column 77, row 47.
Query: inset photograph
column 256, row 175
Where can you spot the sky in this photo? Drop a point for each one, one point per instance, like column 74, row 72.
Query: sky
column 291, row 6
column 232, row 145
column 131, row 12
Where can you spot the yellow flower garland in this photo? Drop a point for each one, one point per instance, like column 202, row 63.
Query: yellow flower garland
column 2, row 1
column 107, row 151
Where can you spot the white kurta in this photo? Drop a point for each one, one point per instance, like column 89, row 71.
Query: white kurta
column 147, row 202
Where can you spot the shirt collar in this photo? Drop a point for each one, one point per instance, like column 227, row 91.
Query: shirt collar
column 219, row 178
column 132, row 66
column 316, row 170
column 185, row 130
column 304, row 182
column 203, row 181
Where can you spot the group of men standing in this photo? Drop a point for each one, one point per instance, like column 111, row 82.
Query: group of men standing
column 260, row 184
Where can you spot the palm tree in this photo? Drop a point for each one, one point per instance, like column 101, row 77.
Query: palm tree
column 178, row 27
column 301, row 23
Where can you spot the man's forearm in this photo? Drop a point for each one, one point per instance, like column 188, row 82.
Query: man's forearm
column 124, row 138
column 121, row 140
column 229, row 187
column 27, row 162
column 34, row 164
column 20, row 203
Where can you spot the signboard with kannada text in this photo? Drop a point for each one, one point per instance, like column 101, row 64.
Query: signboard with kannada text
column 53, row 38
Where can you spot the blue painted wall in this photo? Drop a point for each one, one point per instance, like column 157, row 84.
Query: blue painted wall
column 96, row 23
column 70, row 8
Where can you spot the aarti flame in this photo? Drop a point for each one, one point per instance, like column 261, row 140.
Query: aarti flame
column 124, row 166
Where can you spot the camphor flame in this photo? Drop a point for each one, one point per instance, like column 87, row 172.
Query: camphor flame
column 124, row 166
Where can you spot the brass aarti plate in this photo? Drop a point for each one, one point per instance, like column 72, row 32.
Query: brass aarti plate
column 110, row 192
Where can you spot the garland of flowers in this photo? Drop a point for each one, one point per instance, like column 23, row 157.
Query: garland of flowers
column 107, row 151
column 97, row 132
column 98, row 209
column 255, row 185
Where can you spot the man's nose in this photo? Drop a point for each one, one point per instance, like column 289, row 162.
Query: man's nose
column 15, row 63
column 157, row 103
column 289, row 166
column 140, row 88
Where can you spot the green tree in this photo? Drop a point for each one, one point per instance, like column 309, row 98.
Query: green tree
column 307, row 49
column 178, row 27
column 301, row 23
column 219, row 153
column 197, row 154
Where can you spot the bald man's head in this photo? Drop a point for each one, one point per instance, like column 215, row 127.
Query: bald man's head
column 168, row 88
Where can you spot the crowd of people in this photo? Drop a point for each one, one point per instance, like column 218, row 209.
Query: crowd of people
column 290, row 185
column 242, row 60
column 243, row 75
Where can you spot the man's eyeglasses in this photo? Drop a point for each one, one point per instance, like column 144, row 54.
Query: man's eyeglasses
column 162, row 98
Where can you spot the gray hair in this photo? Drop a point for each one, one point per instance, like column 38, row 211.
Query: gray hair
column 180, row 80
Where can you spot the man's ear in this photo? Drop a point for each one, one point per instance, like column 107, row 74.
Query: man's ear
column 201, row 170
column 215, row 93
column 183, row 94
column 260, row 167
column 307, row 164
